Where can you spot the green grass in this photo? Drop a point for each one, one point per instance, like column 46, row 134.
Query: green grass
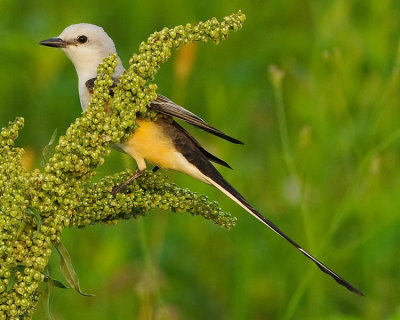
column 321, row 159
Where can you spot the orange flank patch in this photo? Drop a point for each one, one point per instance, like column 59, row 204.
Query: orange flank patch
column 151, row 143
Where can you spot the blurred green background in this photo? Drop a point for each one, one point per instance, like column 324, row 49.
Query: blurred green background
column 332, row 182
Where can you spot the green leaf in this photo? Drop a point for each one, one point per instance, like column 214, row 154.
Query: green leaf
column 47, row 147
column 33, row 212
column 11, row 280
column 68, row 270
column 57, row 283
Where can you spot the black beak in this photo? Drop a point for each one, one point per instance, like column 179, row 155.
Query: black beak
column 54, row 42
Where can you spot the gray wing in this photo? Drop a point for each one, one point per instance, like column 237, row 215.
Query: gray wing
column 166, row 106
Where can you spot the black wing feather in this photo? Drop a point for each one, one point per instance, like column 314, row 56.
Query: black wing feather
column 164, row 105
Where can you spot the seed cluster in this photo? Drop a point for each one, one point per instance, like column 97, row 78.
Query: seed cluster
column 62, row 194
column 150, row 191
column 18, row 286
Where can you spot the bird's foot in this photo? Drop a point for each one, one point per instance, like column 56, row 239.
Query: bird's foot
column 119, row 188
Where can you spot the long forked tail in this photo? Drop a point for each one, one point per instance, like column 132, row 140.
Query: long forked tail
column 219, row 182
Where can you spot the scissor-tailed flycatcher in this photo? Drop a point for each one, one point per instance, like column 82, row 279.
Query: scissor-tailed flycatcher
column 162, row 142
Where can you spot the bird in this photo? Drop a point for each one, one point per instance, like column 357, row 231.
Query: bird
column 162, row 142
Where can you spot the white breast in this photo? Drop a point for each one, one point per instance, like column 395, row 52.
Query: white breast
column 84, row 95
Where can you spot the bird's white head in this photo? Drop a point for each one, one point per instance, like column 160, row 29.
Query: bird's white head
column 86, row 45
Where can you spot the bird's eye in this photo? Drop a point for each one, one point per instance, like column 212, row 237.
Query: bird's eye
column 82, row 39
